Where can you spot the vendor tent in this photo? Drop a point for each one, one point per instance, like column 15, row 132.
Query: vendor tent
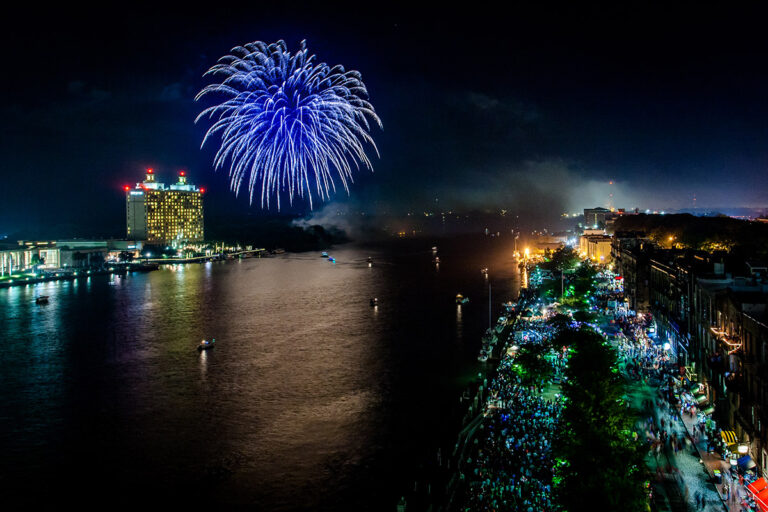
column 757, row 486
column 746, row 462
column 759, row 490
column 729, row 437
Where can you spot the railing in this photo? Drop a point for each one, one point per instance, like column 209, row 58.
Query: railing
column 731, row 343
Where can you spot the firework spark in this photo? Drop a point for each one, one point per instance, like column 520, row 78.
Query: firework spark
column 287, row 123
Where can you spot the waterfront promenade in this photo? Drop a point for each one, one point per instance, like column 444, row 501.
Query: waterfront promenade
column 498, row 470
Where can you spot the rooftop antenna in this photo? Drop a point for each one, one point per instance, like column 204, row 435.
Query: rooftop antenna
column 610, row 195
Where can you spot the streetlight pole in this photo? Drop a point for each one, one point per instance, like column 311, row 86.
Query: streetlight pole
column 562, row 285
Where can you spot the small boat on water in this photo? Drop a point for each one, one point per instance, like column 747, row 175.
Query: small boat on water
column 324, row 254
column 460, row 299
column 374, row 302
column 43, row 299
column 206, row 344
column 484, row 271
column 331, row 259
column 370, row 262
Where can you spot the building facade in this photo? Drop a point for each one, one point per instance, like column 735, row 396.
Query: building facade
column 711, row 312
column 630, row 257
column 160, row 214
column 596, row 218
column 26, row 255
column 596, row 247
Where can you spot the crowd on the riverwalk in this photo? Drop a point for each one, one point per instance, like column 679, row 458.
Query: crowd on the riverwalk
column 512, row 467
column 674, row 425
column 512, row 464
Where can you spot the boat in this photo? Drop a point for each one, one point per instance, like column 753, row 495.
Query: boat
column 509, row 306
column 484, row 270
column 324, row 254
column 370, row 262
column 374, row 302
column 279, row 250
column 331, row 259
column 43, row 299
column 460, row 299
column 206, row 344
column 437, row 259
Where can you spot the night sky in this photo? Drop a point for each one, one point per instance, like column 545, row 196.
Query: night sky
column 483, row 109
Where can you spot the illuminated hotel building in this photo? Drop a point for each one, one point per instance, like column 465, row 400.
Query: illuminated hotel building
column 164, row 215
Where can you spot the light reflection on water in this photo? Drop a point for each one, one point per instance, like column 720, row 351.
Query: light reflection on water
column 311, row 398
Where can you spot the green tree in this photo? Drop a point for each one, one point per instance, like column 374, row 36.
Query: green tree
column 559, row 321
column 583, row 316
column 534, row 368
column 600, row 463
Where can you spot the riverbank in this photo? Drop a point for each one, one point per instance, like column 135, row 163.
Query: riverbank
column 556, row 430
column 72, row 275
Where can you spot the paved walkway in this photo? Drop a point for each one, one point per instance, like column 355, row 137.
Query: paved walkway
column 683, row 483
column 729, row 492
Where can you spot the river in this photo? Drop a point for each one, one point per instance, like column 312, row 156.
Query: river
column 311, row 399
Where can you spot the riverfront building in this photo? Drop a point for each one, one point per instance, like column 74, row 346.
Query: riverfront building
column 158, row 214
column 26, row 255
column 711, row 312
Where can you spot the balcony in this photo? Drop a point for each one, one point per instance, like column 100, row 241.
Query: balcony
column 730, row 343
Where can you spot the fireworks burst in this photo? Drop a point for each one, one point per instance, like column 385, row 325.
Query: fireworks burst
column 287, row 123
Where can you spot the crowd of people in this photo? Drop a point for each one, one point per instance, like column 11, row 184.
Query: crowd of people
column 665, row 432
column 512, row 465
column 512, row 468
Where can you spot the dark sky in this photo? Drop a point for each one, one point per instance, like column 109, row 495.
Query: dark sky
column 481, row 107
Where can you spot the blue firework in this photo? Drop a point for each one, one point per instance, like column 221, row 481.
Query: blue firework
column 287, row 123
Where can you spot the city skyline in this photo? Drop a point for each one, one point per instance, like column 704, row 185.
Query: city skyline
column 476, row 113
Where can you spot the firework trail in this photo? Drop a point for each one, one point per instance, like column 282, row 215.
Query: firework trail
column 287, row 123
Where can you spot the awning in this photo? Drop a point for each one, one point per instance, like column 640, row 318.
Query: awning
column 746, row 462
column 759, row 491
column 729, row 437
column 762, row 500
column 757, row 486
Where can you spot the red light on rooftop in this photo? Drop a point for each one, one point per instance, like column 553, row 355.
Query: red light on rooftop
column 150, row 171
column 182, row 173
column 202, row 190
column 126, row 188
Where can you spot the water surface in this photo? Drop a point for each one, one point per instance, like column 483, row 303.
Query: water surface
column 311, row 400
